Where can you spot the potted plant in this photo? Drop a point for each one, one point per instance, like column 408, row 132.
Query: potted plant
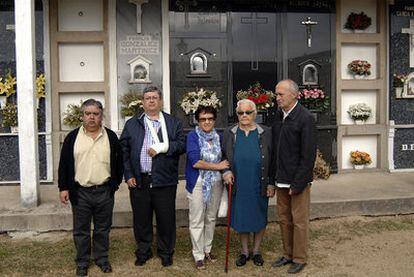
column 10, row 117
column 314, row 99
column 359, row 68
column 72, row 117
column 359, row 159
column 398, row 81
column 40, row 87
column 357, row 21
column 359, row 112
column 7, row 88
column 131, row 104
column 192, row 99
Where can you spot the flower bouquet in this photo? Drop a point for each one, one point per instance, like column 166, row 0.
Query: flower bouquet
column 131, row 104
column 9, row 115
column 264, row 99
column 314, row 99
column 192, row 99
column 360, row 111
column 398, row 80
column 359, row 158
column 357, row 21
column 359, row 67
column 7, row 87
column 72, row 117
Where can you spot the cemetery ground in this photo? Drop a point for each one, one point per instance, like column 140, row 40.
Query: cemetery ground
column 348, row 246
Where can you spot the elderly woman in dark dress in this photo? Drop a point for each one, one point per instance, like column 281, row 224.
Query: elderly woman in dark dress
column 247, row 146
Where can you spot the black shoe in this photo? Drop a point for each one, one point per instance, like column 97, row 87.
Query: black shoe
column 140, row 261
column 166, row 261
column 281, row 261
column 258, row 259
column 242, row 259
column 82, row 271
column 105, row 267
column 295, row 268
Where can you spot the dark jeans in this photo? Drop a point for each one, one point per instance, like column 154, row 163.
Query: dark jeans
column 93, row 204
column 144, row 201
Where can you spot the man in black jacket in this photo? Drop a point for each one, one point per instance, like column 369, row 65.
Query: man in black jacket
column 90, row 171
column 294, row 152
column 152, row 143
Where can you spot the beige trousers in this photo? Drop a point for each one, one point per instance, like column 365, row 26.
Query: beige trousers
column 202, row 218
column 293, row 211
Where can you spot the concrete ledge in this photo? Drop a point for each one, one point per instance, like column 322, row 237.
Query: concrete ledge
column 43, row 222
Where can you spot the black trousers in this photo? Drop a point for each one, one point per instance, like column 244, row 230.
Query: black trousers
column 145, row 201
column 93, row 204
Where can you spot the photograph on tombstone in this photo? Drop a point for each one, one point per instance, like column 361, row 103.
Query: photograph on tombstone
column 408, row 91
column 310, row 75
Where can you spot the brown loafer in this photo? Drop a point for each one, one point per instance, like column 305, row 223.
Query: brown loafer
column 200, row 265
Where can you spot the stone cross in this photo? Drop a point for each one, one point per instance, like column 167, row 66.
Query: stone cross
column 138, row 3
column 183, row 5
column 410, row 31
column 255, row 49
column 309, row 23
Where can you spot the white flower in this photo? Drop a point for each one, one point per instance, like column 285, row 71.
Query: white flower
column 360, row 111
column 193, row 99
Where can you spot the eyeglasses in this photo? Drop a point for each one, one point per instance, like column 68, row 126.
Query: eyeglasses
column 205, row 119
column 245, row 112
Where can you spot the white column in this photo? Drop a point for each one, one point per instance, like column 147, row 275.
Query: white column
column 27, row 112
column 165, row 56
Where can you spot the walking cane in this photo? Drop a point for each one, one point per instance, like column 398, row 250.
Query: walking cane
column 228, row 227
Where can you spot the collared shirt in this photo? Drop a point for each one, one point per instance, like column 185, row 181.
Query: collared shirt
column 146, row 160
column 92, row 158
column 285, row 114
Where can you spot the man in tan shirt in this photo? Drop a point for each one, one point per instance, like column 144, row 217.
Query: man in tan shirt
column 90, row 171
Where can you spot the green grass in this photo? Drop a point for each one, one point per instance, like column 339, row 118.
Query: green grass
column 35, row 258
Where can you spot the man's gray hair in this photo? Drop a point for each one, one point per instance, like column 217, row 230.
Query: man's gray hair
column 153, row 89
column 91, row 102
column 293, row 87
column 246, row 101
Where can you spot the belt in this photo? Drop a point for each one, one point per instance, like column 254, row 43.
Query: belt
column 93, row 187
column 146, row 174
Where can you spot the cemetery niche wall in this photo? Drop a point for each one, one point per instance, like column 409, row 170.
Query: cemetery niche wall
column 9, row 145
column 244, row 46
column 401, row 68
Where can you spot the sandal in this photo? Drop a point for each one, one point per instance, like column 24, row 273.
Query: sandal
column 210, row 258
column 200, row 265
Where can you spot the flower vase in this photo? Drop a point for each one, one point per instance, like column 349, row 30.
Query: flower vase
column 359, row 166
column 3, row 101
column 192, row 120
column 261, row 117
column 398, row 92
column 359, row 77
column 14, row 129
column 359, row 122
column 358, row 31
